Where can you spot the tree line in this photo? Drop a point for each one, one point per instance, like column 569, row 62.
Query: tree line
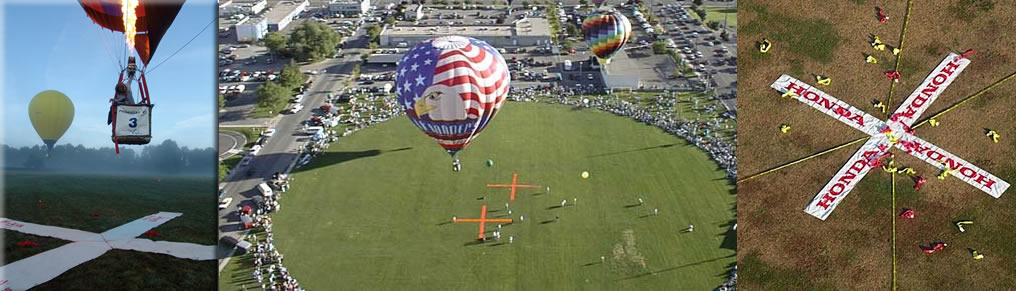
column 166, row 158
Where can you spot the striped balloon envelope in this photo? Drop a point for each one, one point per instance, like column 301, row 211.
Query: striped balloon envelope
column 451, row 87
column 606, row 32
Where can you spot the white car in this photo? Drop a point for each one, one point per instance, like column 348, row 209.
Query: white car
column 269, row 132
column 225, row 202
column 255, row 149
column 296, row 108
column 297, row 99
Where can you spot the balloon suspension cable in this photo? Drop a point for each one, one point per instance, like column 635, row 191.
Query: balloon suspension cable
column 143, row 89
column 184, row 45
column 112, row 112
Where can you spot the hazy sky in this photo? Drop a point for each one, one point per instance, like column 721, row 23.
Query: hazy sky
column 58, row 47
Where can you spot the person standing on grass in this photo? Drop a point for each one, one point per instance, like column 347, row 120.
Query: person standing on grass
column 563, row 202
column 691, row 227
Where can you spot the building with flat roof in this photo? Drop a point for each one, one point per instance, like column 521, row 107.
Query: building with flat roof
column 249, row 7
column 280, row 15
column 525, row 32
column 349, row 7
column 622, row 73
column 251, row 30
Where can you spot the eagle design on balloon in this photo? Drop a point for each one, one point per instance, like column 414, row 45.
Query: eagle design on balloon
column 451, row 87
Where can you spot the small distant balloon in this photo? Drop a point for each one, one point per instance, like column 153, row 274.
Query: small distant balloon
column 51, row 113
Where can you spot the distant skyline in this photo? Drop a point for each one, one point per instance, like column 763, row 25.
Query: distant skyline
column 58, row 47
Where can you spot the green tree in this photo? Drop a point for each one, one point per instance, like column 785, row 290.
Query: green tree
column 276, row 43
column 390, row 20
column 583, row 2
column 697, row 3
column 272, row 95
column 372, row 46
column 574, row 30
column 714, row 25
column 701, row 13
column 659, row 47
column 724, row 36
column 222, row 100
column 291, row 77
column 313, row 41
column 374, row 32
column 567, row 45
column 526, row 3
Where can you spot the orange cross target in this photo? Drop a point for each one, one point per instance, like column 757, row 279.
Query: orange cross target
column 514, row 185
column 482, row 220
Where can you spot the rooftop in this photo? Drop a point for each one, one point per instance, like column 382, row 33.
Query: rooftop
column 532, row 27
column 281, row 10
column 621, row 64
column 448, row 30
column 525, row 27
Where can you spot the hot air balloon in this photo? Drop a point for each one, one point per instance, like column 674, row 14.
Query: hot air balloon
column 451, row 88
column 142, row 24
column 51, row 113
column 606, row 32
column 598, row 3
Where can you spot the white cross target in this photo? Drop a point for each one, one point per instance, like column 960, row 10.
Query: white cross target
column 885, row 134
column 40, row 268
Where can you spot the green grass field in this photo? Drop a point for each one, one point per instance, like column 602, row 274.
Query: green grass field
column 374, row 212
column 718, row 14
column 70, row 199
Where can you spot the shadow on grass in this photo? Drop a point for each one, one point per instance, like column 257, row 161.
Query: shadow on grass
column 634, row 150
column 473, row 242
column 547, row 221
column 632, row 205
column 443, row 223
column 331, row 158
column 554, row 207
column 679, row 267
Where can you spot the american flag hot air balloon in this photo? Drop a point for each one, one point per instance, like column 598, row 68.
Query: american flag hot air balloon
column 451, row 87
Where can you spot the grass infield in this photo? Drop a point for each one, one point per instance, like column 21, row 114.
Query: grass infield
column 375, row 210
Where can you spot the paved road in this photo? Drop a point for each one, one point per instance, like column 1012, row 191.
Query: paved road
column 281, row 151
column 229, row 142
